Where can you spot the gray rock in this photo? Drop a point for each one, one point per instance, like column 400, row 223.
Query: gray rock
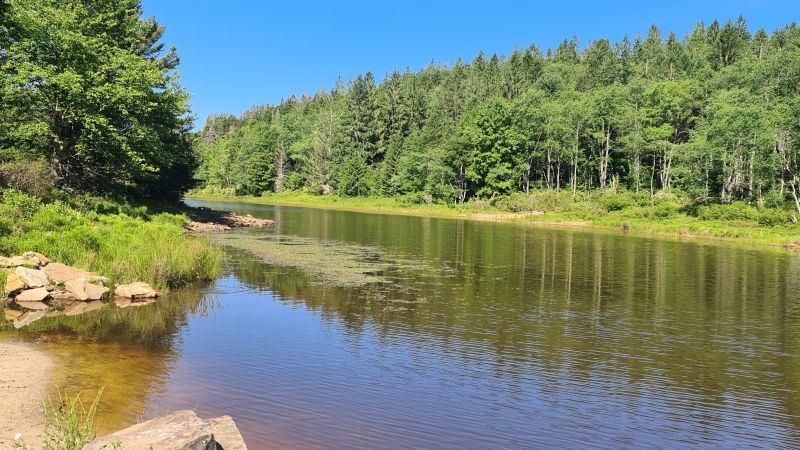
column 226, row 433
column 33, row 295
column 83, row 290
column 31, row 277
column 181, row 430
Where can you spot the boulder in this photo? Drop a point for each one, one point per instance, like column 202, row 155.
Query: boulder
column 13, row 284
column 31, row 277
column 61, row 273
column 181, row 430
column 226, row 433
column 15, row 261
column 34, row 306
column 83, row 290
column 32, row 295
column 135, row 290
column 36, row 257
column 28, row 318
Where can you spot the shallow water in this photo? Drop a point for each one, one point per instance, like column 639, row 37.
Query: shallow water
column 465, row 335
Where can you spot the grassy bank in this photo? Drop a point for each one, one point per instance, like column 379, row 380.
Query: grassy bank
column 664, row 214
column 121, row 241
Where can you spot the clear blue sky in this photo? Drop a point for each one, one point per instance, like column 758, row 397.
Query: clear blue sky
column 239, row 53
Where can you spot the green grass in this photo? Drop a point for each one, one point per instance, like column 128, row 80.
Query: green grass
column 124, row 243
column 665, row 214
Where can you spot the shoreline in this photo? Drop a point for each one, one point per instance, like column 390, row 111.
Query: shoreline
column 25, row 377
column 643, row 229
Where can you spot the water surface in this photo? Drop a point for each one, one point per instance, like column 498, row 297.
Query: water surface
column 338, row 329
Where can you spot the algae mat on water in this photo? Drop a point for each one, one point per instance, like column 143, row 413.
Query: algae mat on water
column 333, row 263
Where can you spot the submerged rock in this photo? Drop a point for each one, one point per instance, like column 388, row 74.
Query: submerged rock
column 32, row 295
column 181, row 430
column 135, row 290
column 31, row 277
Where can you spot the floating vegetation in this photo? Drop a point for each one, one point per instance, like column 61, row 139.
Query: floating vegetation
column 333, row 263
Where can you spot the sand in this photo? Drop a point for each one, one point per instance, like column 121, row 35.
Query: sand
column 24, row 378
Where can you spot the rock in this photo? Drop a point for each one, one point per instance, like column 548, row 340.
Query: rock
column 60, row 294
column 83, row 291
column 32, row 295
column 15, row 261
column 181, row 430
column 226, row 433
column 13, row 284
column 61, row 273
column 36, row 258
column 135, row 290
column 82, row 307
column 28, row 318
column 36, row 306
column 31, row 277
column 12, row 314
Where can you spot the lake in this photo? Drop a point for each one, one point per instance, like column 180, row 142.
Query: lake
column 336, row 329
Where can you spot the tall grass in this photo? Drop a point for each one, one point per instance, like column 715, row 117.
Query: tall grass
column 70, row 425
column 112, row 242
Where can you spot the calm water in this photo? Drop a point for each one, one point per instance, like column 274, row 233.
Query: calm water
column 462, row 335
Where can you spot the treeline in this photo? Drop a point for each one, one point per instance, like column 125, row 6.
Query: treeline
column 713, row 115
column 89, row 101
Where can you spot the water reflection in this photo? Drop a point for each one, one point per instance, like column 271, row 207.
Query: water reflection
column 499, row 336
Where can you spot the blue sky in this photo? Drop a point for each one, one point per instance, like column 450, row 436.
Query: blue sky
column 236, row 54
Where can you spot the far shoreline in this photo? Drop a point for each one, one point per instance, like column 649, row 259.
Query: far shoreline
column 615, row 226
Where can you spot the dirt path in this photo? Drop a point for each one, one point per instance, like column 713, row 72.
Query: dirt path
column 24, row 377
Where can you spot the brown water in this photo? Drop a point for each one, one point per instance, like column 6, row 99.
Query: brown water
column 349, row 330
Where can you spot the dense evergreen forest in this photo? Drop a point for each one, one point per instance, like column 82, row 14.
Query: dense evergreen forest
column 713, row 115
column 89, row 101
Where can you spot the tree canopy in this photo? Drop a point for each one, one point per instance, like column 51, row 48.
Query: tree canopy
column 89, row 91
column 713, row 114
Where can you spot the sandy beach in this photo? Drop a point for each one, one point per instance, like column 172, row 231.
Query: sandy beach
column 24, row 378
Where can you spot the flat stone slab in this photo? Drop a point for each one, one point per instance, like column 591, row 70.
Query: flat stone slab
column 226, row 433
column 181, row 430
column 32, row 295
column 61, row 273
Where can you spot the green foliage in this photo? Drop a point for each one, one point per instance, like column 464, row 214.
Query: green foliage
column 123, row 242
column 69, row 424
column 91, row 101
column 703, row 115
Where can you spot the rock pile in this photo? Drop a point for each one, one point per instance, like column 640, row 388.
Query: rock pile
column 205, row 220
column 38, row 288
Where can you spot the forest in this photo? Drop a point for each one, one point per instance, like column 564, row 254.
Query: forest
column 711, row 116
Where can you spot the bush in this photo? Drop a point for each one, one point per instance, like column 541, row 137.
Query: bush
column 616, row 202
